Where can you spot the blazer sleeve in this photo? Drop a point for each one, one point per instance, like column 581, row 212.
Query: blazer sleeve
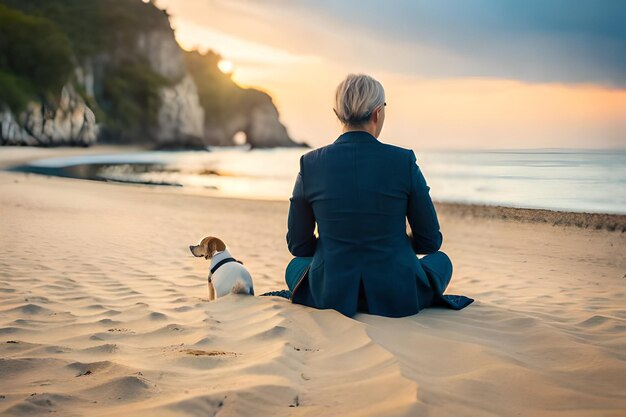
column 426, row 237
column 301, row 239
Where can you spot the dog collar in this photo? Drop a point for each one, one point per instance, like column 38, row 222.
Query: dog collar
column 222, row 262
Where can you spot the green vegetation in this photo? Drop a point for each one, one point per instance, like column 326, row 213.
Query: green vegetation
column 131, row 100
column 43, row 41
column 219, row 95
column 15, row 92
column 96, row 25
column 217, row 91
column 25, row 43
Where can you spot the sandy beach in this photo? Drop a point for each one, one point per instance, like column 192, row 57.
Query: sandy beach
column 104, row 312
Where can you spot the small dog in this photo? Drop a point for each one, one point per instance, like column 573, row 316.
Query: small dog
column 226, row 274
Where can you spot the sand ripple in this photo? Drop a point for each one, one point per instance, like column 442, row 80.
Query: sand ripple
column 112, row 319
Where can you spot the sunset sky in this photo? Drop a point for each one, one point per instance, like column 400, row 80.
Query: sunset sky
column 462, row 75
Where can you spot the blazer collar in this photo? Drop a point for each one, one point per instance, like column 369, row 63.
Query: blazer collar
column 356, row 136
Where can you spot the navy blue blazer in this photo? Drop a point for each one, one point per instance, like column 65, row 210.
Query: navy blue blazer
column 360, row 192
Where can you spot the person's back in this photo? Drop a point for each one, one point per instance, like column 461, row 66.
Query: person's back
column 360, row 193
column 358, row 188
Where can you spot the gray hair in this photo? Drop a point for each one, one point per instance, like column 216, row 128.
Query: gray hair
column 356, row 99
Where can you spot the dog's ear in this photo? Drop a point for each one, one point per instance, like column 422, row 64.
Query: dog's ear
column 212, row 244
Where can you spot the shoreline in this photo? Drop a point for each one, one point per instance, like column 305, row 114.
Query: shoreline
column 17, row 162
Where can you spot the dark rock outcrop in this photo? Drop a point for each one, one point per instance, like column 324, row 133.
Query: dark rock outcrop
column 256, row 116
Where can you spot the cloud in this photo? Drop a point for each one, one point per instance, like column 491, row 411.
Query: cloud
column 537, row 41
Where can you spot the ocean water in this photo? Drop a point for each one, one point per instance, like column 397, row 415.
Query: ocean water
column 568, row 180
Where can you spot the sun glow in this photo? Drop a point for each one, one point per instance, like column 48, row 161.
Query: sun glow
column 225, row 66
column 427, row 111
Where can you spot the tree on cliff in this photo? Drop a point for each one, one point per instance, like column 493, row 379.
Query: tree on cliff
column 25, row 43
column 118, row 59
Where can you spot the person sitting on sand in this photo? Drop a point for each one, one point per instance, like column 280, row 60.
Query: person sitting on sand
column 359, row 192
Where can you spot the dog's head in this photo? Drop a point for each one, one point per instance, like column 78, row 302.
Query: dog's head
column 207, row 247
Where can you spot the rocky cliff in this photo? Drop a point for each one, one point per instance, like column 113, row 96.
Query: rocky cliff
column 130, row 83
column 69, row 122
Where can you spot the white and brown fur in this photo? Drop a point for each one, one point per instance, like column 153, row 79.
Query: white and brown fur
column 231, row 277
